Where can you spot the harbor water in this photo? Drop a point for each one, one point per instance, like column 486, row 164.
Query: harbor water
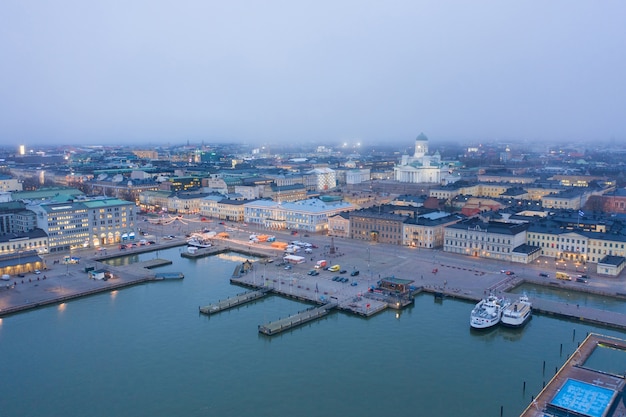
column 146, row 351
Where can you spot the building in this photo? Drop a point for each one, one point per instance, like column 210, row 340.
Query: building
column 494, row 240
column 85, row 223
column 420, row 168
column 377, row 225
column 309, row 215
column 427, row 231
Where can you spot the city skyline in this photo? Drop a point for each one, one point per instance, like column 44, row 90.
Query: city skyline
column 275, row 72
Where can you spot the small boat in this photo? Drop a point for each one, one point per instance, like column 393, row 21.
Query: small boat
column 518, row 313
column 487, row 313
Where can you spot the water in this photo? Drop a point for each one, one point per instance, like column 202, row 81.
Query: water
column 145, row 351
column 566, row 295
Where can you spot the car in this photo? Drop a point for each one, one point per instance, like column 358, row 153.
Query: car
column 336, row 278
column 36, row 271
column 354, row 283
column 583, row 276
column 344, row 279
column 543, row 274
column 580, row 279
column 313, row 272
column 20, row 275
column 343, row 271
column 354, row 273
column 287, row 267
column 504, row 271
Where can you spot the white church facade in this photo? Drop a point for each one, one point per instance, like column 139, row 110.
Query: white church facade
column 421, row 167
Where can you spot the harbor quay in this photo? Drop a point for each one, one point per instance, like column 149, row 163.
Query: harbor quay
column 431, row 271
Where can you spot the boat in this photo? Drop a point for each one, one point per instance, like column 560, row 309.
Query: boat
column 487, row 312
column 518, row 313
column 199, row 243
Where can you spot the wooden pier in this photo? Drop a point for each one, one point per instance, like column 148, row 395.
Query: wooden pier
column 290, row 322
column 235, row 301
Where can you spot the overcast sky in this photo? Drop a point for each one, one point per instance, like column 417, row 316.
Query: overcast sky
column 124, row 71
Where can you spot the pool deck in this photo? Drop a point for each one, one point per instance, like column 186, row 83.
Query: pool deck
column 573, row 369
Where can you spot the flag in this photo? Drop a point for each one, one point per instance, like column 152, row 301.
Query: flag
column 581, row 213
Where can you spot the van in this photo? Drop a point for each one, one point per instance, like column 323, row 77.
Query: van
column 563, row 276
column 321, row 264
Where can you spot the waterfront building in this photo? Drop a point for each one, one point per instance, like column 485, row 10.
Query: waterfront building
column 34, row 240
column 377, row 224
column 85, row 223
column 494, row 240
column 231, row 210
column 339, row 225
column 309, row 215
column 154, row 200
column 427, row 231
column 20, row 262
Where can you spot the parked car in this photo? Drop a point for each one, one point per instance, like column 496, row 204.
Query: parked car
column 580, row 279
column 543, row 274
column 36, row 271
column 313, row 272
column 337, row 278
column 343, row 271
column 354, row 273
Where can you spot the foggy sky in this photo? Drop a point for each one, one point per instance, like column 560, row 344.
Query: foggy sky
column 124, row 71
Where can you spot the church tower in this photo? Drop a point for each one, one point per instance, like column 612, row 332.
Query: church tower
column 421, row 146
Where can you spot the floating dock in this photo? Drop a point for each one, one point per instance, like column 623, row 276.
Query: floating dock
column 202, row 252
column 153, row 263
column 290, row 322
column 235, row 301
column 168, row 275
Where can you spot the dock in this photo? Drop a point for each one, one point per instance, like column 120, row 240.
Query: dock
column 168, row 275
column 577, row 389
column 298, row 319
column 235, row 301
column 152, row 263
column 203, row 252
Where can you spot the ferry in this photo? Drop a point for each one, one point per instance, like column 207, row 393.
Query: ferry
column 518, row 313
column 487, row 312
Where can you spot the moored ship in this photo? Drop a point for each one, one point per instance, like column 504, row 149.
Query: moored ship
column 518, row 313
column 487, row 313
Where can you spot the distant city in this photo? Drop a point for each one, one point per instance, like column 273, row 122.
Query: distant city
column 516, row 202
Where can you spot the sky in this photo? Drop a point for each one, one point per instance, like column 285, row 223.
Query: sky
column 151, row 72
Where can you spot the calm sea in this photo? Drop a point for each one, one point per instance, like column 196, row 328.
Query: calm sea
column 146, row 351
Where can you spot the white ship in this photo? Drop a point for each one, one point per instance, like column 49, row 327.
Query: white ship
column 518, row 313
column 487, row 312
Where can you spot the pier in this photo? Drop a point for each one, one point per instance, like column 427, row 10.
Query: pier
column 577, row 389
column 298, row 319
column 168, row 275
column 235, row 301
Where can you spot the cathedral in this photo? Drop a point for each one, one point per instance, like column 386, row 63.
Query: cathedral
column 421, row 167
